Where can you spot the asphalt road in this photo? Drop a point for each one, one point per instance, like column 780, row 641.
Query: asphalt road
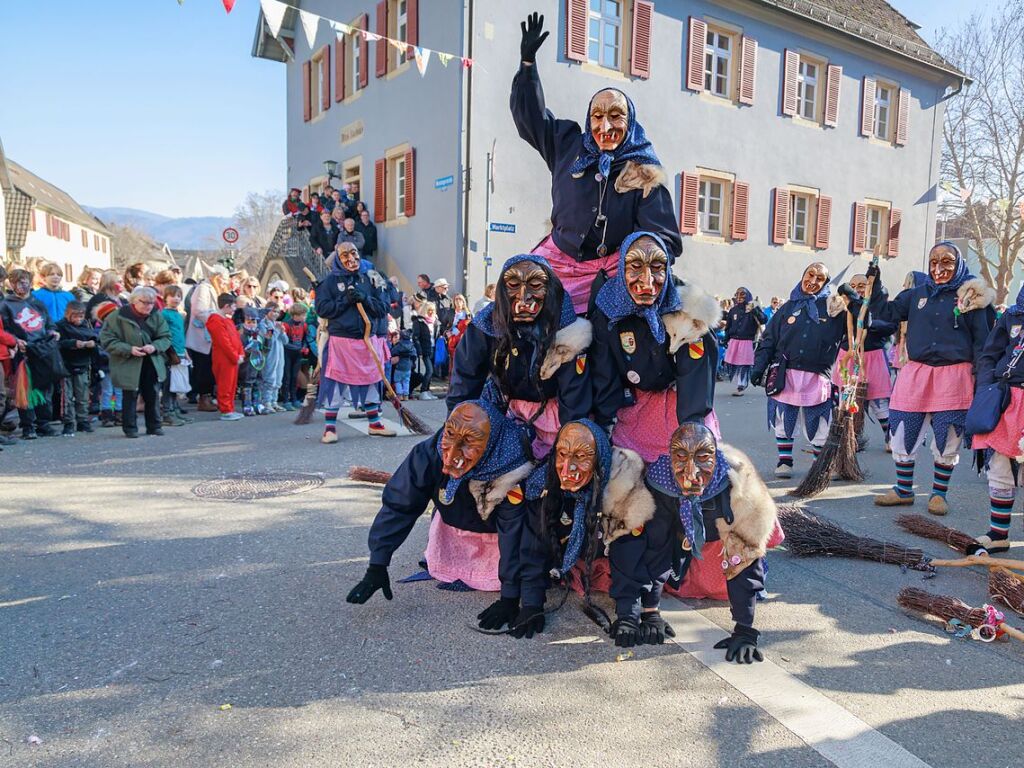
column 132, row 612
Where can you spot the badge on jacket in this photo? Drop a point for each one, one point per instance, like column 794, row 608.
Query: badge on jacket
column 921, row 302
column 1015, row 331
column 515, row 496
column 696, row 350
column 581, row 364
column 628, row 342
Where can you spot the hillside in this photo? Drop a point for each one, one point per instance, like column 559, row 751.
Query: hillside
column 184, row 232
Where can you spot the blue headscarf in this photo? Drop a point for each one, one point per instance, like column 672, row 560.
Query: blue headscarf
column 574, row 544
column 662, row 477
column 1018, row 307
column 634, row 145
column 807, row 302
column 960, row 276
column 615, row 301
column 504, row 452
column 335, row 268
column 484, row 319
column 747, row 295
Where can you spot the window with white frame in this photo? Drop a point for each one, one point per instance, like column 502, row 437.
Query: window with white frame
column 710, row 207
column 883, row 110
column 351, row 174
column 800, row 224
column 353, row 51
column 807, row 89
column 317, row 84
column 718, row 50
column 402, row 26
column 874, row 231
column 398, row 179
column 604, row 33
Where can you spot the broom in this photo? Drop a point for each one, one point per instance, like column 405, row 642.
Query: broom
column 948, row 608
column 305, row 414
column 1007, row 588
column 930, row 529
column 809, row 535
column 985, row 561
column 368, row 475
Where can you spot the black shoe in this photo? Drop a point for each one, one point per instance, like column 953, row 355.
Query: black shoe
column 131, row 434
column 28, row 434
column 46, row 431
column 156, row 432
column 7, row 440
column 68, row 431
column 85, row 426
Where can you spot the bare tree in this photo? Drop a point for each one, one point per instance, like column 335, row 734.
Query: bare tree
column 983, row 138
column 129, row 245
column 256, row 220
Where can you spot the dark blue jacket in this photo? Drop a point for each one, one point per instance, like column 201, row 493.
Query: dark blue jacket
column 998, row 351
column 742, row 325
column 691, row 370
column 935, row 336
column 806, row 345
column 879, row 333
column 574, row 202
column 333, row 304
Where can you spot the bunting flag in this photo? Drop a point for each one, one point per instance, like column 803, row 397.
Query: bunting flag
column 273, row 12
column 965, row 194
column 444, row 58
column 369, row 36
column 422, row 59
column 228, row 5
column 339, row 28
column 310, row 22
column 398, row 45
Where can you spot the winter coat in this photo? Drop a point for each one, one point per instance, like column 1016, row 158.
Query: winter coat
column 76, row 359
column 404, row 355
column 27, row 319
column 806, row 344
column 334, row 305
column 54, row 301
column 120, row 333
column 203, row 304
column 743, row 325
column 176, row 325
column 369, row 233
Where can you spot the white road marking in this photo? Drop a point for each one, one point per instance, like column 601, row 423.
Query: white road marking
column 831, row 731
column 363, row 425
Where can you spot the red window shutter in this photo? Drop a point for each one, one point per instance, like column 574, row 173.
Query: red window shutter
column 780, row 216
column 895, row 217
column 95, row 242
column 790, row 73
column 903, row 117
column 85, row 239
column 307, row 78
column 576, row 17
column 833, row 78
column 823, row 223
column 867, row 107
column 640, row 53
column 740, row 207
column 339, row 69
column 748, row 69
column 364, row 53
column 412, row 25
column 382, row 44
column 860, row 223
column 689, row 191
column 380, row 198
column 67, row 232
column 103, row 243
column 49, row 225
column 32, row 220
column 410, row 183
column 695, row 54
column 325, row 77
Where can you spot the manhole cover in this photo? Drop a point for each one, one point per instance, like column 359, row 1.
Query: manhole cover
column 257, row 485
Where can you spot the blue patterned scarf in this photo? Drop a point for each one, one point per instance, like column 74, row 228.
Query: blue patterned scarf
column 960, row 276
column 616, row 302
column 807, row 302
column 574, row 545
column 634, row 146
column 661, row 476
column 1018, row 307
column 484, row 319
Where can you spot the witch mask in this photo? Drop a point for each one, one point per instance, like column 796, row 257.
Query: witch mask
column 575, row 457
column 693, row 451
column 526, row 285
column 942, row 264
column 814, row 279
column 646, row 271
column 464, row 440
column 609, row 119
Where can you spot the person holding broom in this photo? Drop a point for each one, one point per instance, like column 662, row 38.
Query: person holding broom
column 743, row 322
column 948, row 318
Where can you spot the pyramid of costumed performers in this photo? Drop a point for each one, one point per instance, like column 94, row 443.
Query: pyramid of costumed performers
column 581, row 447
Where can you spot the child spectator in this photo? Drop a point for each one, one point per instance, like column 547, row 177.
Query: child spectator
column 226, row 354
column 88, row 284
column 252, row 360
column 110, row 397
column 273, row 369
column 137, row 274
column 241, row 304
column 424, row 324
column 52, row 296
column 177, row 381
column 296, row 347
column 162, row 280
column 78, row 342
column 403, row 356
column 8, row 346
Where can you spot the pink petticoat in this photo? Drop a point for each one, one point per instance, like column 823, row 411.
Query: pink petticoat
column 576, row 276
column 924, row 388
column 453, row 554
column 876, row 373
column 350, row 362
column 546, row 425
column 740, row 352
column 805, row 388
column 647, row 426
column 1005, row 438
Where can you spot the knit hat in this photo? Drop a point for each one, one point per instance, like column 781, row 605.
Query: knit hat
column 103, row 309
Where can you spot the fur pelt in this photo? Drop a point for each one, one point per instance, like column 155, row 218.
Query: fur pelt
column 627, row 504
column 637, row 176
column 835, row 305
column 699, row 314
column 753, row 509
column 490, row 493
column 569, row 342
column 974, row 294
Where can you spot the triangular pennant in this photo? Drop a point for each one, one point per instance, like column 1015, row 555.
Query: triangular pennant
column 310, row 22
column 228, row 5
column 398, row 45
column 467, row 63
column 340, row 29
column 965, row 194
column 422, row 59
column 273, row 12
column 444, row 58
column 371, row 37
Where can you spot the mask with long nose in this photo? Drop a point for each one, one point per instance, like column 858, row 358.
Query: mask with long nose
column 814, row 278
column 693, row 453
column 526, row 285
column 646, row 271
column 464, row 440
column 609, row 118
column 942, row 264
column 575, row 455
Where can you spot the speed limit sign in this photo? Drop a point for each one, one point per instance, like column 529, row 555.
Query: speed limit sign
column 230, row 235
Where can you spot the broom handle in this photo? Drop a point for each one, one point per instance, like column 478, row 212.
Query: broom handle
column 373, row 352
column 1012, row 631
column 985, row 560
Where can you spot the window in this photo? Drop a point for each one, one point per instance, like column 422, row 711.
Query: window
column 398, row 179
column 604, row 33
column 353, row 50
column 717, row 63
column 351, row 174
column 317, row 84
column 95, row 242
column 874, row 231
column 807, row 89
column 883, row 104
column 799, row 210
column 394, row 185
column 32, row 220
column 68, row 271
column 402, row 27
column 103, row 244
column 710, row 204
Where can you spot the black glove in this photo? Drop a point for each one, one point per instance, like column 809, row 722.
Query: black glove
column 873, row 271
column 846, row 290
column 499, row 613
column 356, row 295
column 529, row 621
column 654, row 629
column 532, row 37
column 376, row 578
column 626, row 632
column 741, row 646
column 757, row 379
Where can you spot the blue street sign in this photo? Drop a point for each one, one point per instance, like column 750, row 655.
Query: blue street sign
column 498, row 227
column 444, row 182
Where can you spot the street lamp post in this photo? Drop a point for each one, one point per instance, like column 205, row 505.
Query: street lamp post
column 331, row 169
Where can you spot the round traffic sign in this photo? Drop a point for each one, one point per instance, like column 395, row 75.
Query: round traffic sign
column 230, row 235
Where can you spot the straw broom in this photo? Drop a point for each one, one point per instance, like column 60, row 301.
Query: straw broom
column 930, row 529
column 948, row 608
column 305, row 414
column 1007, row 587
column 368, row 475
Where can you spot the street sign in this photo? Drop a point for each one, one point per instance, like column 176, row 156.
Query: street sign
column 444, row 182
column 499, row 227
column 230, row 235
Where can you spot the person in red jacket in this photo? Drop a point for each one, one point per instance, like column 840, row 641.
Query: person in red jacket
column 226, row 353
column 7, row 342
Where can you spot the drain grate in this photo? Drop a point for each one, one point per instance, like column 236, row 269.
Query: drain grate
column 257, row 485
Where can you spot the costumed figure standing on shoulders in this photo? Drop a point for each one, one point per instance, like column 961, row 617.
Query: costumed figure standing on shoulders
column 742, row 324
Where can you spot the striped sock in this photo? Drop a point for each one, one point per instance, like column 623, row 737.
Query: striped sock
column 785, row 447
column 905, row 478
column 816, row 449
column 883, row 422
column 940, row 485
column 330, row 421
column 373, row 414
column 1000, row 507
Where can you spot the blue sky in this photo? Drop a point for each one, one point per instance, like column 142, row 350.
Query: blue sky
column 148, row 104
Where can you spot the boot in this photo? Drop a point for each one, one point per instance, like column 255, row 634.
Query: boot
column 84, row 426
column 171, row 419
column 107, row 419
column 378, row 429
column 892, row 499
column 206, row 404
column 938, row 506
column 118, row 422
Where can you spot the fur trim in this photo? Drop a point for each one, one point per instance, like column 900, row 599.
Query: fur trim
column 627, row 504
column 835, row 305
column 974, row 294
column 753, row 509
column 700, row 313
column 490, row 493
column 637, row 176
column 569, row 342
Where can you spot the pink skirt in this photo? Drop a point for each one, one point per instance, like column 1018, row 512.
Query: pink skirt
column 1006, row 437
column 576, row 276
column 924, row 388
column 876, row 373
column 546, row 425
column 350, row 362
column 805, row 388
column 740, row 352
column 453, row 554
column 647, row 426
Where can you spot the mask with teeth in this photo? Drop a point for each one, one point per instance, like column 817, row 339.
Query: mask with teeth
column 526, row 286
column 609, row 119
column 646, row 271
column 464, row 439
column 693, row 453
column 575, row 454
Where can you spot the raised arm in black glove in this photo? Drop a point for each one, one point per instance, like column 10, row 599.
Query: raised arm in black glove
column 357, row 295
column 499, row 613
column 376, row 578
column 846, row 290
column 873, row 271
column 654, row 629
column 741, row 646
column 533, row 37
column 626, row 632
column 530, row 621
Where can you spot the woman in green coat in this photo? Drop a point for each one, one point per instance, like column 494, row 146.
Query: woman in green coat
column 136, row 338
